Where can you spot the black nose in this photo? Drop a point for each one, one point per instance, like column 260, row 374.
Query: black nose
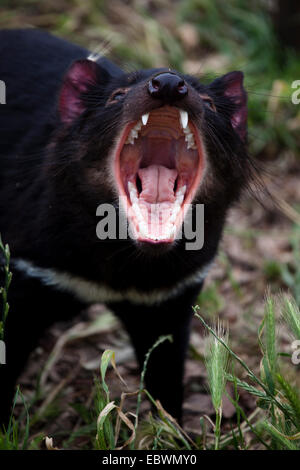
column 167, row 87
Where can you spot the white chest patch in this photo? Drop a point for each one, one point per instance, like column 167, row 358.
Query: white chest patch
column 93, row 292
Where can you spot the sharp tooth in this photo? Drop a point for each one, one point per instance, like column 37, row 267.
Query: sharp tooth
column 130, row 139
column 181, row 191
column 184, row 118
column 134, row 133
column 145, row 118
column 179, row 199
column 138, row 126
column 132, row 193
column 187, row 130
column 191, row 145
column 189, row 136
column 131, row 186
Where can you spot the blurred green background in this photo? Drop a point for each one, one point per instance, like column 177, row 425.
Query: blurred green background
column 202, row 37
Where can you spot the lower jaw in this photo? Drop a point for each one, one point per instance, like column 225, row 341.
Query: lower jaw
column 159, row 224
column 157, row 234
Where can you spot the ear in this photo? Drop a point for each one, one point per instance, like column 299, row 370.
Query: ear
column 231, row 85
column 81, row 76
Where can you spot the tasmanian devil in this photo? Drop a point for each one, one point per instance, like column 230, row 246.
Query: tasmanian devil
column 77, row 134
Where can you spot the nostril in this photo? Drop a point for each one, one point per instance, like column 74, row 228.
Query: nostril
column 154, row 86
column 155, row 83
column 181, row 87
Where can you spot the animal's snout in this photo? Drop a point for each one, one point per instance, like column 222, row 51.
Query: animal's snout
column 168, row 87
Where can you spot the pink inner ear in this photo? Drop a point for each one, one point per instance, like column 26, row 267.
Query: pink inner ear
column 235, row 91
column 81, row 75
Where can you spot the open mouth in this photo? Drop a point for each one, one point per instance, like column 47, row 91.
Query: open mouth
column 159, row 164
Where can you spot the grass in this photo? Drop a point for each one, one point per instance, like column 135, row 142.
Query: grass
column 274, row 424
column 278, row 426
column 216, row 366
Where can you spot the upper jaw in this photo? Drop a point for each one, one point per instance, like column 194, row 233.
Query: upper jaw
column 159, row 163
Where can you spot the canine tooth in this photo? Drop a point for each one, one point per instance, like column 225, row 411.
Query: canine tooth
column 133, row 197
column 180, row 196
column 131, row 187
column 133, row 192
column 145, row 118
column 184, row 118
column 181, row 190
column 134, row 133
column 180, row 199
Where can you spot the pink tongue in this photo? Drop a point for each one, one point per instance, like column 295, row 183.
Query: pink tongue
column 157, row 184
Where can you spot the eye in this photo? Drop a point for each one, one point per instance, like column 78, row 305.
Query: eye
column 117, row 96
column 208, row 102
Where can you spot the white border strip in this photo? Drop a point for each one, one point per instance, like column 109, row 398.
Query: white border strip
column 92, row 292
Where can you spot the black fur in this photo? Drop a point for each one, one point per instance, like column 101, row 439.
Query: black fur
column 53, row 176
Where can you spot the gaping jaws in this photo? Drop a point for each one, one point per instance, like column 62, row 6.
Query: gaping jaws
column 158, row 165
